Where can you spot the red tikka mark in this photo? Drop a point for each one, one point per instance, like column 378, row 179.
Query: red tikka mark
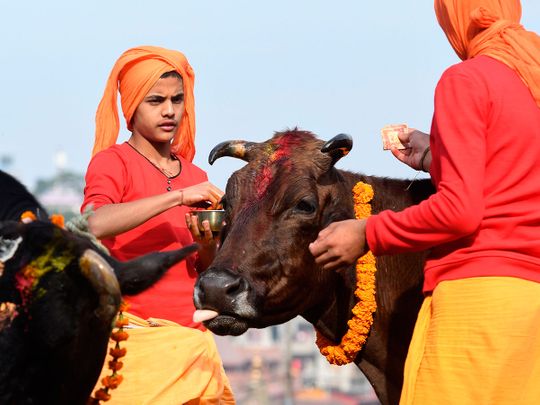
column 277, row 151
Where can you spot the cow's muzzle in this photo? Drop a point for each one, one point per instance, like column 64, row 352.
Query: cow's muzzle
column 231, row 296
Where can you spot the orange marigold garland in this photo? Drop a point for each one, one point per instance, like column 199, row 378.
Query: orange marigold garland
column 112, row 381
column 360, row 325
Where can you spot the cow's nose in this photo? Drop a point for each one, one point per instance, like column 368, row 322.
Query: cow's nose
column 214, row 286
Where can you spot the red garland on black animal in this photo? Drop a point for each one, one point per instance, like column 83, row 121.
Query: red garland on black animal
column 54, row 337
column 264, row 274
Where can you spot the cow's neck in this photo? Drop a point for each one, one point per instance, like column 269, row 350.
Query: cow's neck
column 330, row 317
column 381, row 350
column 398, row 300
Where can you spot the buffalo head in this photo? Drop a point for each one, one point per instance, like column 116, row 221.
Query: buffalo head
column 59, row 294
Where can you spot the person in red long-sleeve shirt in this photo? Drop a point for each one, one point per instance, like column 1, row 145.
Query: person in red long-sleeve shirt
column 482, row 226
column 142, row 192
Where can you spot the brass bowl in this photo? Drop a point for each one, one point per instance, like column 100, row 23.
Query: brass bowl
column 214, row 217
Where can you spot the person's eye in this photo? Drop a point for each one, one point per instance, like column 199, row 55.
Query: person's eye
column 178, row 99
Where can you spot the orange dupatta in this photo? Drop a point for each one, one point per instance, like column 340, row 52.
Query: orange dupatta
column 134, row 74
column 492, row 28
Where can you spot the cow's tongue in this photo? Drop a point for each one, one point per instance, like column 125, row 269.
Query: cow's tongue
column 201, row 315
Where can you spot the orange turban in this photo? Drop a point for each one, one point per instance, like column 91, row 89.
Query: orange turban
column 134, row 74
column 492, row 28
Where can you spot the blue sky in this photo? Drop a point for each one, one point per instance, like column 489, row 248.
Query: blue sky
column 329, row 67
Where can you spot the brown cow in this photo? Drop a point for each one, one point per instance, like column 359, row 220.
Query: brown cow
column 264, row 273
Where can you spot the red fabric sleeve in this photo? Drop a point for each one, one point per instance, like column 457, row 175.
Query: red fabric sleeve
column 105, row 180
column 458, row 149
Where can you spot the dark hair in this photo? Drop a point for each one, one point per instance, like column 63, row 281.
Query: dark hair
column 172, row 73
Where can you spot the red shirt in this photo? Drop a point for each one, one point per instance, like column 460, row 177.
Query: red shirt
column 484, row 219
column 120, row 174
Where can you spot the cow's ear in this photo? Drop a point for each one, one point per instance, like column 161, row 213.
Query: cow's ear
column 337, row 147
column 8, row 247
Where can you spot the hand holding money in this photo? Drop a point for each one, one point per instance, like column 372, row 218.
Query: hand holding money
column 414, row 150
column 393, row 135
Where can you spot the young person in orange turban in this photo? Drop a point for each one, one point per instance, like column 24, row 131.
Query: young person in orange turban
column 477, row 339
column 142, row 191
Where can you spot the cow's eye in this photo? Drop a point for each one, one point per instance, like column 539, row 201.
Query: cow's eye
column 305, row 207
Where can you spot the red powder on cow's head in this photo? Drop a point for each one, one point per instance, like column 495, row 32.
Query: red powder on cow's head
column 278, row 152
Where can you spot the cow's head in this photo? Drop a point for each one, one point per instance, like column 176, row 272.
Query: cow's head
column 263, row 273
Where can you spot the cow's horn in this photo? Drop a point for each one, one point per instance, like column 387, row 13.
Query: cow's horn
column 101, row 275
column 237, row 149
column 337, row 147
column 136, row 275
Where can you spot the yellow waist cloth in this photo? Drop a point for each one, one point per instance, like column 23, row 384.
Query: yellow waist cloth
column 169, row 364
column 476, row 341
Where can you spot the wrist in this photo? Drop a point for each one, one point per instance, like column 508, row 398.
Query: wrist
column 423, row 160
column 180, row 197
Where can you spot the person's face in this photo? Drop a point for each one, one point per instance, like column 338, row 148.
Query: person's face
column 158, row 116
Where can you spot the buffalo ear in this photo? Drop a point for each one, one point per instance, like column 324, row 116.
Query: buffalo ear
column 337, row 147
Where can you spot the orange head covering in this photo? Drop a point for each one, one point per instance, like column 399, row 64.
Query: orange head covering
column 492, row 28
column 134, row 74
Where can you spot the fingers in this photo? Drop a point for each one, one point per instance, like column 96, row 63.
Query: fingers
column 207, row 231
column 404, row 136
column 339, row 244
column 192, row 223
column 203, row 192
column 215, row 195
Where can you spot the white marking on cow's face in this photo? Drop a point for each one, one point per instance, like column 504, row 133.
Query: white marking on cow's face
column 8, row 247
column 242, row 307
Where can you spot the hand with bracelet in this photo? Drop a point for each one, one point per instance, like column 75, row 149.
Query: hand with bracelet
column 417, row 153
column 205, row 193
column 201, row 194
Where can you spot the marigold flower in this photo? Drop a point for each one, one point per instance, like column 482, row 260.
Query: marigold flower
column 102, row 395
column 119, row 336
column 57, row 219
column 121, row 322
column 117, row 352
column 28, row 216
column 115, row 365
column 123, row 306
column 112, row 381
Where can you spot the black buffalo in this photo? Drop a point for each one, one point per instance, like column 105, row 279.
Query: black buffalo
column 59, row 295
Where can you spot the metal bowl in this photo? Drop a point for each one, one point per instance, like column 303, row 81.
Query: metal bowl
column 214, row 217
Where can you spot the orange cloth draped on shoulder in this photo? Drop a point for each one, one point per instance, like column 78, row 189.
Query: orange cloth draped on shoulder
column 168, row 364
column 497, row 363
column 492, row 28
column 133, row 75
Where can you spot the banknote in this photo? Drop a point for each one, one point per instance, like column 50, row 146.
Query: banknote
column 390, row 136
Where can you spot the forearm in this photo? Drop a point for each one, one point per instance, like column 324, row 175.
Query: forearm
column 113, row 219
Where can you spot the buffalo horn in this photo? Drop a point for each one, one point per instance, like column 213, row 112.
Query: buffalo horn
column 101, row 275
column 138, row 274
column 237, row 149
column 337, row 147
